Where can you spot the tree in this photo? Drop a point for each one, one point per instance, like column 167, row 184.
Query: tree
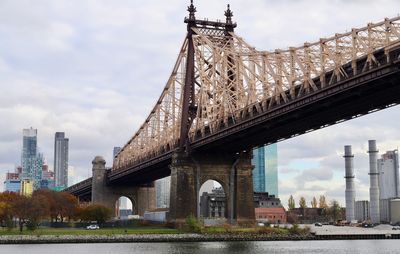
column 291, row 203
column 334, row 211
column 21, row 210
column 7, row 200
column 314, row 203
column 302, row 202
column 95, row 212
column 322, row 202
column 70, row 205
column 53, row 201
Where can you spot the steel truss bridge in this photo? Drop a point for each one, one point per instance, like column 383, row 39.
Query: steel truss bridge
column 224, row 95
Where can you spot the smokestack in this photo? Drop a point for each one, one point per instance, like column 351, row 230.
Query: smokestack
column 374, row 187
column 350, row 190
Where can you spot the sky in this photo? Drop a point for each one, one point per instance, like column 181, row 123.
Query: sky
column 94, row 69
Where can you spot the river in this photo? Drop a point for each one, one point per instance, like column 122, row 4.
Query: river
column 290, row 247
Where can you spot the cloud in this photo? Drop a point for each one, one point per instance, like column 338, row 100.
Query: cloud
column 94, row 69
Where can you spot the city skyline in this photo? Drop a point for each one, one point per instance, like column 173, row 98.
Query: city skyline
column 95, row 80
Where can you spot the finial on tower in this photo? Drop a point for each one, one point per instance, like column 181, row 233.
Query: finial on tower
column 191, row 9
column 229, row 15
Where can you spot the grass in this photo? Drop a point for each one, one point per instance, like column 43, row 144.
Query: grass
column 101, row 231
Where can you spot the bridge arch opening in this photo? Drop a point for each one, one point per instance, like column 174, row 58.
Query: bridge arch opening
column 213, row 202
column 125, row 208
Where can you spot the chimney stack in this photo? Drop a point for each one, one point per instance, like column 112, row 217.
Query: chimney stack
column 350, row 190
column 374, row 183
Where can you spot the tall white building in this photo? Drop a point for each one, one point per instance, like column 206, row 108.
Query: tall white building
column 162, row 192
column 61, row 160
column 388, row 168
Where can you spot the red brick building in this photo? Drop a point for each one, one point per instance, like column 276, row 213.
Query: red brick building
column 271, row 214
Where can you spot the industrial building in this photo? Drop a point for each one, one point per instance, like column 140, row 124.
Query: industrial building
column 388, row 168
column 384, row 187
column 361, row 210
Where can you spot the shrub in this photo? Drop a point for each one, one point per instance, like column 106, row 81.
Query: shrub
column 193, row 224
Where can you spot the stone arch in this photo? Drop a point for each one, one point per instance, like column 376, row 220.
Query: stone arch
column 213, row 204
column 131, row 203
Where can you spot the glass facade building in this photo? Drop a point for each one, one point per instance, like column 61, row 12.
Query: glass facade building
column 162, row 192
column 29, row 150
column 265, row 172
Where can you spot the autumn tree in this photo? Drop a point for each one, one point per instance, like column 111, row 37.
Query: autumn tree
column 314, row 203
column 70, row 206
column 291, row 203
column 322, row 202
column 53, row 200
column 21, row 210
column 96, row 212
column 302, row 202
column 7, row 200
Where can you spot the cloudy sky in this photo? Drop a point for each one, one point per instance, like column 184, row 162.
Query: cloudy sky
column 94, row 69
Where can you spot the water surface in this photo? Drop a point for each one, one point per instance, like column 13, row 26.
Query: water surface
column 290, row 247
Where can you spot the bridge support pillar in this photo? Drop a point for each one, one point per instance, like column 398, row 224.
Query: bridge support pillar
column 142, row 197
column 233, row 172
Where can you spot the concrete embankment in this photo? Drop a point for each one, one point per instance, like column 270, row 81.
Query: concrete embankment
column 41, row 239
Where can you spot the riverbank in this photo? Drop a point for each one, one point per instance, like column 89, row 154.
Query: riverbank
column 138, row 238
column 119, row 238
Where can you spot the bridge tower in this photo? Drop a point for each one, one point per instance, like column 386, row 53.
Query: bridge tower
column 142, row 197
column 191, row 168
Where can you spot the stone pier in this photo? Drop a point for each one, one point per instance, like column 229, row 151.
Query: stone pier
column 143, row 197
column 233, row 172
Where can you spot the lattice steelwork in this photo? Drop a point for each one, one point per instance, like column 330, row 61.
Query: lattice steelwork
column 233, row 79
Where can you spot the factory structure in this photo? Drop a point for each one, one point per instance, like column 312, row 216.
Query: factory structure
column 384, row 203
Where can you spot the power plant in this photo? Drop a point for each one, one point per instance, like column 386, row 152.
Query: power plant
column 383, row 205
column 374, row 182
column 350, row 190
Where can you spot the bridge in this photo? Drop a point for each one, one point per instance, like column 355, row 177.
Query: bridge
column 224, row 97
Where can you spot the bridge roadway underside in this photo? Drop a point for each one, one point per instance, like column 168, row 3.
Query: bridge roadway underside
column 373, row 90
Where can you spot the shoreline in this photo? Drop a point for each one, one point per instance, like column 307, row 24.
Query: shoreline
column 143, row 238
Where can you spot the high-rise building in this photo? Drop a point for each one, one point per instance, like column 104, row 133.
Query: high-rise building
column 61, row 160
column 265, row 173
column 36, row 164
column 116, row 150
column 388, row 169
column 47, row 181
column 162, row 192
column 29, row 150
